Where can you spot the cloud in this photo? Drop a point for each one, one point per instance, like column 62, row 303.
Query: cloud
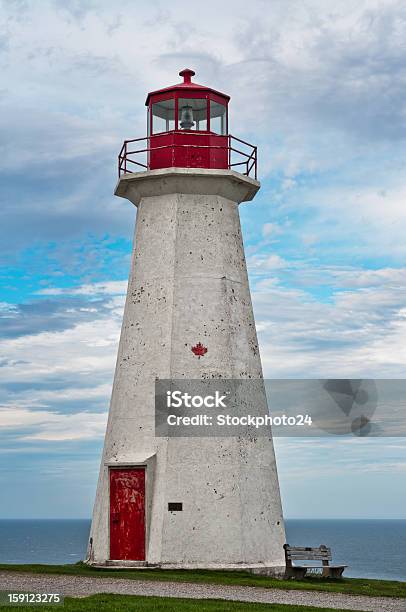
column 271, row 229
column 308, row 274
column 369, row 219
column 335, row 67
column 51, row 426
column 56, row 377
column 340, row 457
column 78, row 352
column 328, row 83
column 267, row 262
column 64, row 311
column 355, row 333
column 109, row 288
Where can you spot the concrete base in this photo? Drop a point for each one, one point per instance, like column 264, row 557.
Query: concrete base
column 258, row 569
column 121, row 564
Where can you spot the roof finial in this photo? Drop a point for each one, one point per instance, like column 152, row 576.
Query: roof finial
column 187, row 75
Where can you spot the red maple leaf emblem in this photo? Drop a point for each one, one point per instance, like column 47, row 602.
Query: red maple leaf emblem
column 199, row 350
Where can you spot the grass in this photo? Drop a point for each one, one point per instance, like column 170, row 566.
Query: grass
column 352, row 586
column 122, row 603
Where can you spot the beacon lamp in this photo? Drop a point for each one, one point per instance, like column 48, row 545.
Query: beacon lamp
column 186, row 117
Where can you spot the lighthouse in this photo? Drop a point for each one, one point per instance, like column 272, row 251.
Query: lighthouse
column 186, row 502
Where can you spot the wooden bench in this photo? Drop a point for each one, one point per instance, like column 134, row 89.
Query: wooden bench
column 300, row 553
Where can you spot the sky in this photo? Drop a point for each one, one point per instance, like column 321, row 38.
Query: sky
column 319, row 86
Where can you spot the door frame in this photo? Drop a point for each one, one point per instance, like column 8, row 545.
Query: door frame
column 132, row 466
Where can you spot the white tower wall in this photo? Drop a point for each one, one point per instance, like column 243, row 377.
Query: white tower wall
column 188, row 283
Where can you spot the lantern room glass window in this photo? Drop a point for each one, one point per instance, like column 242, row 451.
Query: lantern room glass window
column 192, row 114
column 218, row 118
column 163, row 116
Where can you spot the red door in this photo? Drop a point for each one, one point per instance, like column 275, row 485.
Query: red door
column 127, row 514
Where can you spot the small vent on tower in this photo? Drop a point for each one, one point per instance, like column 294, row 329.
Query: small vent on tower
column 175, row 506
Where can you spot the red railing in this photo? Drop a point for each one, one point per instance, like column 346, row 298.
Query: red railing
column 128, row 158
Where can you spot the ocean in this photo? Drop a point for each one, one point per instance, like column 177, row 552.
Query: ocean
column 371, row 548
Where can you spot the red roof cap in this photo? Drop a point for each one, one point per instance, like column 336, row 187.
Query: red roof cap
column 187, row 75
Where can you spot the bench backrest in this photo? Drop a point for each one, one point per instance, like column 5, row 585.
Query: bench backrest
column 306, row 553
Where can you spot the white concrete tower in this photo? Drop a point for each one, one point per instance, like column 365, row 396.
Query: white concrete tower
column 186, row 502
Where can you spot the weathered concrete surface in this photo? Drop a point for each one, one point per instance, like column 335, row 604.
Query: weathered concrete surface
column 188, row 283
column 82, row 586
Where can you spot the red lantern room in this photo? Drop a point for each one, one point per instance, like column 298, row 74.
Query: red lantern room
column 188, row 128
column 187, row 124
